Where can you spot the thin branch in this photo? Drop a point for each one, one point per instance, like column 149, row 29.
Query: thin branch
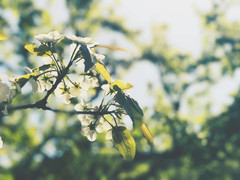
column 42, row 104
column 36, row 105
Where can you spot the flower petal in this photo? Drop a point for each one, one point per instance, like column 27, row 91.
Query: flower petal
column 92, row 136
column 85, row 130
column 109, row 135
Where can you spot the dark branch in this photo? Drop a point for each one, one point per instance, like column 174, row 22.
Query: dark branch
column 44, row 107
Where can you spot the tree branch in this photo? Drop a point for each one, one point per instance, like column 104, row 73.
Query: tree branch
column 30, row 106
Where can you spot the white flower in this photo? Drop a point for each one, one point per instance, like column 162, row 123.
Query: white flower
column 105, row 88
column 44, row 84
column 63, row 91
column 4, row 91
column 53, row 36
column 82, row 105
column 90, row 133
column 92, row 81
column 86, row 40
column 84, row 119
column 75, row 90
column 79, row 107
column 46, row 81
column 84, row 86
column 99, row 125
column 1, row 142
column 69, row 90
column 6, row 95
column 91, row 128
column 109, row 135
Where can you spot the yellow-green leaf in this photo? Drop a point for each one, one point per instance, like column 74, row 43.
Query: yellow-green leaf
column 32, row 48
column 23, row 79
column 122, row 85
column 146, row 133
column 90, row 60
column 130, row 106
column 102, row 70
column 124, row 142
column 3, row 37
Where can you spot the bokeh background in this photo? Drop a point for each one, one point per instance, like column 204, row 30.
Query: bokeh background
column 183, row 59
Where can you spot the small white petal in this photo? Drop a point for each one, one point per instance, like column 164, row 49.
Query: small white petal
column 86, row 40
column 106, row 126
column 109, row 135
column 81, row 117
column 75, row 92
column 48, row 85
column 85, row 130
column 52, row 36
column 85, row 122
column 59, row 90
column 78, row 107
column 84, row 93
column 99, row 128
column 34, row 85
column 94, row 82
column 85, row 86
column 105, row 88
column 27, row 70
column 41, row 86
column 66, row 98
column 92, row 136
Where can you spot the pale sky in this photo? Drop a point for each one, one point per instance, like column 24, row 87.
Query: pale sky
column 184, row 33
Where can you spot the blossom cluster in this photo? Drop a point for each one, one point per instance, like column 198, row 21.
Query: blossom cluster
column 80, row 86
column 76, row 79
column 44, row 77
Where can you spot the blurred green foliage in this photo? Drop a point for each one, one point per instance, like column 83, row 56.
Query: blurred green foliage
column 47, row 146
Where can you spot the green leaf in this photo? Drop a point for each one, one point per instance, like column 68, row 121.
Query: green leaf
column 22, row 80
column 122, row 100
column 42, row 50
column 117, row 137
column 135, row 105
column 137, row 113
column 146, row 133
column 102, row 70
column 130, row 106
column 43, row 67
column 120, row 84
column 124, row 142
column 90, row 60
